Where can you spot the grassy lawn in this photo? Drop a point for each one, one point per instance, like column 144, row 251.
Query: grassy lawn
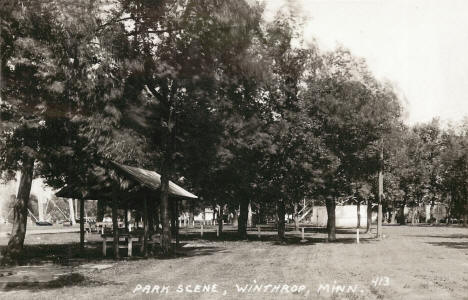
column 420, row 262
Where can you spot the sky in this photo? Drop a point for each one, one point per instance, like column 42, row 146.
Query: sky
column 421, row 46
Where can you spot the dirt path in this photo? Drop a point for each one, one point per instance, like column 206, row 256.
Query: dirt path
column 411, row 263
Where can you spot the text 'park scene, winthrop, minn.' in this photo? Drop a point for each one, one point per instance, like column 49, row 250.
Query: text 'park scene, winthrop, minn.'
column 233, row 149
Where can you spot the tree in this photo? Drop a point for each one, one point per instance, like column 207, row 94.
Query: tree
column 353, row 111
column 49, row 63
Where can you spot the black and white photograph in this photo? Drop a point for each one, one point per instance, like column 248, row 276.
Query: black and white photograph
column 233, row 149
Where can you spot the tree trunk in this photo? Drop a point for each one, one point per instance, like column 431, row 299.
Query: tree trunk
column 151, row 210
column 126, row 217
column 281, row 212
column 296, row 218
column 432, row 218
column 173, row 217
column 82, row 222
column 145, row 226
column 176, row 204
column 191, row 213
column 401, row 214
column 71, row 208
column 166, row 238
column 14, row 250
column 249, row 217
column 380, row 196
column 75, row 202
column 156, row 218
column 261, row 213
column 369, row 215
column 394, row 213
column 235, row 221
column 115, row 224
column 331, row 222
column 220, row 219
column 465, row 207
column 101, row 209
column 449, row 209
column 243, row 215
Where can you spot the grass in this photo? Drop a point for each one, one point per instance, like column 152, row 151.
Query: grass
column 412, row 262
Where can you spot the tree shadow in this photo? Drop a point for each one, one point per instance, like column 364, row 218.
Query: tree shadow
column 292, row 237
column 66, row 280
column 454, row 245
column 70, row 254
column 61, row 254
column 451, row 236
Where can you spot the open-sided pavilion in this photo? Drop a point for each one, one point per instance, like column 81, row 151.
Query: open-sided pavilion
column 138, row 190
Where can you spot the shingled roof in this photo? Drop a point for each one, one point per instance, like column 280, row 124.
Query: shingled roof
column 152, row 180
column 147, row 178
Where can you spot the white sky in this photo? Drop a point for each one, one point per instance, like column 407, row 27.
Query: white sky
column 419, row 45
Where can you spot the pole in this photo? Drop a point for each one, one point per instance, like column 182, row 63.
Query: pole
column 379, row 215
column 303, row 240
column 82, row 225
column 115, row 225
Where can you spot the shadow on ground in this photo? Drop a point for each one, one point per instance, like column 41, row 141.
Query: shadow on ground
column 70, row 254
column 293, row 238
column 450, row 236
column 67, row 280
column 454, row 245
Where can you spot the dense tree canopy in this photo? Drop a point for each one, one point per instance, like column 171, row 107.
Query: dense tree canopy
column 209, row 93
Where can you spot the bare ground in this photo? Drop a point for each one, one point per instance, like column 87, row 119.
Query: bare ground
column 420, row 262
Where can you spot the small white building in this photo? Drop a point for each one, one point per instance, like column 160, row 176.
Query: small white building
column 345, row 216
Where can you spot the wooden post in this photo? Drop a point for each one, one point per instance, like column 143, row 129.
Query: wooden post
column 126, row 217
column 104, row 246
column 259, row 230
column 217, row 231
column 303, row 240
column 145, row 226
column 115, row 225
column 357, row 235
column 379, row 215
column 201, row 230
column 82, row 225
column 130, row 245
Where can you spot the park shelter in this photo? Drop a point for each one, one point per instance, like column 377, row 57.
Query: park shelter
column 141, row 184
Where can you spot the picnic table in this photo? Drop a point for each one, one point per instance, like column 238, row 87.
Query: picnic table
column 129, row 238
